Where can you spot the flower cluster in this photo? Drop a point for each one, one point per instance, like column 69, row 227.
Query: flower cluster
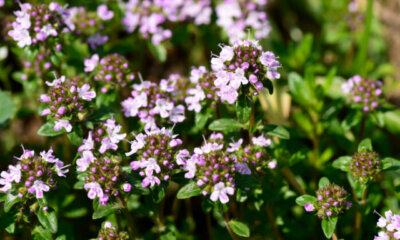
column 202, row 91
column 243, row 63
column 151, row 16
column 365, row 166
column 238, row 16
column 156, row 153
column 41, row 64
column 32, row 175
column 36, row 23
column 150, row 100
column 88, row 25
column 109, row 232
column 355, row 17
column 390, row 225
column 66, row 101
column 214, row 167
column 331, row 201
column 112, row 71
column 362, row 92
column 103, row 174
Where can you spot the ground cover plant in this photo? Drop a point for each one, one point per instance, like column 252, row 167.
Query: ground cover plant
column 198, row 119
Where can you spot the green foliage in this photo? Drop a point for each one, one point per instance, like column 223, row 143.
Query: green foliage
column 239, row 228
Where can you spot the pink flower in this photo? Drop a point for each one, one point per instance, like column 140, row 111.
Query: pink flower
column 58, row 125
column 38, row 187
column 48, row 156
column 309, row 207
column 150, row 180
column 221, row 193
column 104, row 13
column 44, row 98
column 12, row 175
column 234, row 146
column 88, row 143
column 95, row 190
column 60, row 168
column 91, row 63
column 261, row 141
column 126, row 187
column 84, row 162
column 151, row 166
column 85, row 94
column 226, row 53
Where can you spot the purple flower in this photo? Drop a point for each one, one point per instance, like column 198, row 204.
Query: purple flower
column 137, row 144
column 39, row 187
column 309, row 207
column 97, row 40
column 12, row 175
column 104, row 13
column 243, row 168
column 221, row 192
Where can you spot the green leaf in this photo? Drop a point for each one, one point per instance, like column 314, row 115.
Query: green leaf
column 11, row 199
column 357, row 187
column 47, row 130
column 304, row 199
column 392, row 120
column 76, row 135
column 40, row 233
column 200, row 120
column 159, row 51
column 239, row 228
column 328, row 226
column 189, row 190
column 352, row 119
column 224, row 124
column 277, row 131
column 365, row 145
column 243, row 108
column 101, row 211
column 7, row 219
column 158, row 192
column 7, row 107
column 342, row 163
column 299, row 90
column 390, row 164
column 48, row 219
column 322, row 182
column 11, row 228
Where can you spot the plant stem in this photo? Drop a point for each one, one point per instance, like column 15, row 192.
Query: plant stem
column 160, row 216
column 358, row 217
column 209, row 227
column 271, row 219
column 231, row 233
column 252, row 120
column 362, row 128
column 290, row 177
column 129, row 219
column 334, row 237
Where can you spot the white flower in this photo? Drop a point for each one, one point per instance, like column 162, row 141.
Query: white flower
column 95, row 190
column 226, row 53
column 261, row 141
column 58, row 125
column 85, row 94
column 91, row 63
column 221, row 193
